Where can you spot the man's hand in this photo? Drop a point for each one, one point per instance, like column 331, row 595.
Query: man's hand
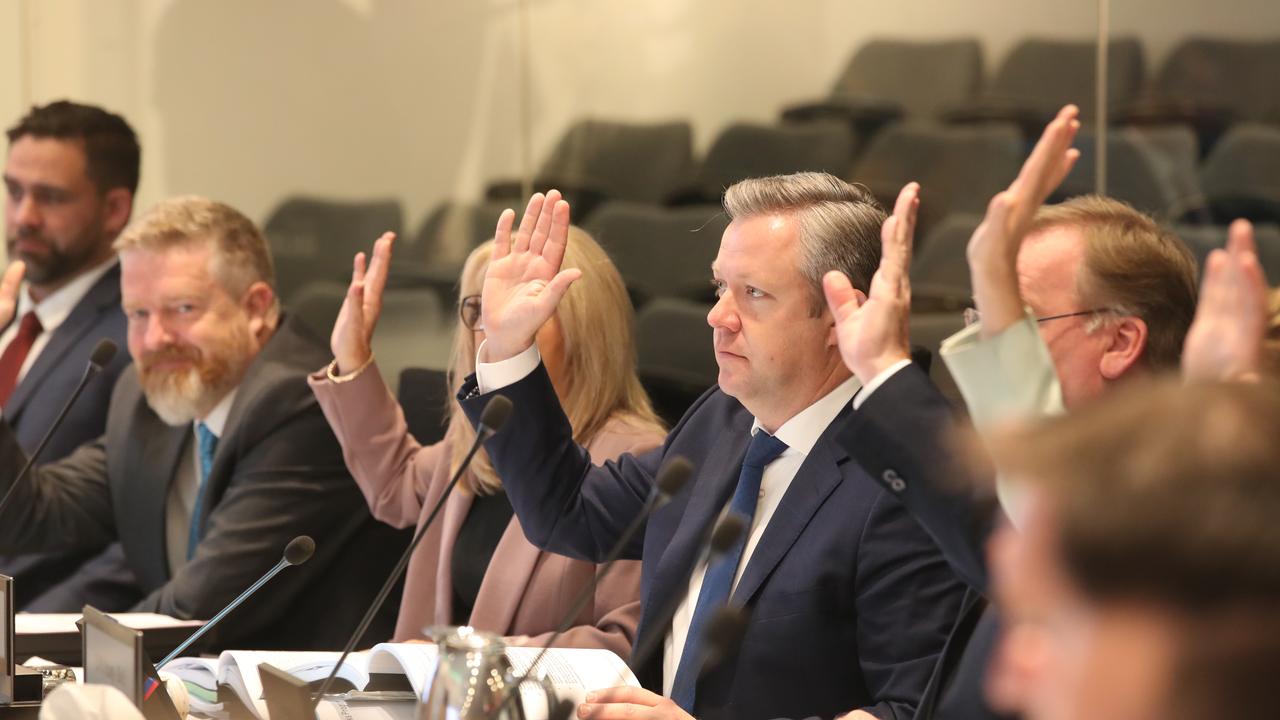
column 872, row 330
column 1225, row 339
column 352, row 337
column 993, row 249
column 524, row 282
column 630, row 703
column 10, row 283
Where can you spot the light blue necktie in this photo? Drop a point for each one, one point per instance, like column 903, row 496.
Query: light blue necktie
column 207, row 444
column 718, row 580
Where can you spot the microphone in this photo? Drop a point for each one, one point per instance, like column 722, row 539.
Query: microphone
column 298, row 551
column 672, row 476
column 102, row 354
column 723, row 635
column 492, row 418
column 723, row 538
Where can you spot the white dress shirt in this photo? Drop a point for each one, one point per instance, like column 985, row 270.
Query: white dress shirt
column 52, row 311
column 181, row 501
column 800, row 433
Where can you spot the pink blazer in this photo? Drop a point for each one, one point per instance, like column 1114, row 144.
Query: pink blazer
column 525, row 591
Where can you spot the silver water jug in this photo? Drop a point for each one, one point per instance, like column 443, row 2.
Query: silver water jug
column 474, row 679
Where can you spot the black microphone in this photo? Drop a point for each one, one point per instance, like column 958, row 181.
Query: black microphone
column 672, row 476
column 102, row 354
column 722, row 637
column 492, row 418
column 298, row 551
column 723, row 538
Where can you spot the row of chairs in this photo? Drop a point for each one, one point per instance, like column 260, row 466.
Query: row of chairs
column 1209, row 83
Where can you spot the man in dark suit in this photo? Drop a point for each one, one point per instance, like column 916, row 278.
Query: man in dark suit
column 70, row 177
column 849, row 601
column 216, row 453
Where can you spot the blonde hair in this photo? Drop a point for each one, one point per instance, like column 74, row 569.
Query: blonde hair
column 1133, row 267
column 240, row 254
column 600, row 380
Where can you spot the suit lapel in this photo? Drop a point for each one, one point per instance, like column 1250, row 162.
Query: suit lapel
column 817, row 477
column 103, row 295
column 505, row 580
column 716, row 479
column 159, row 453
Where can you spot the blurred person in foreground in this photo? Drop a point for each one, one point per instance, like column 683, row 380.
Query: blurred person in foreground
column 475, row 567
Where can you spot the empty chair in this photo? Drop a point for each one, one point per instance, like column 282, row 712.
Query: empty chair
column 940, row 271
column 661, row 252
column 1039, row 76
column 674, row 355
column 1241, row 176
column 959, row 167
column 1203, row 239
column 928, row 330
column 424, row 397
column 449, row 233
column 599, row 160
column 889, row 79
column 745, row 150
column 1212, row 83
column 317, row 304
column 313, row 239
column 1151, row 169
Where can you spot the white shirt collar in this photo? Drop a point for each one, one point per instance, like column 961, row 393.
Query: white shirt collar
column 54, row 309
column 802, row 431
column 216, row 420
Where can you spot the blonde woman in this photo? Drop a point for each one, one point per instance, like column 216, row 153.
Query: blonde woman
column 475, row 566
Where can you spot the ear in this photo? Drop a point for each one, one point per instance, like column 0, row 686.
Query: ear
column 1128, row 342
column 118, row 207
column 257, row 302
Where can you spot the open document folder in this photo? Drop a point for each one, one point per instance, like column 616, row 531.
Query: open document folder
column 389, row 673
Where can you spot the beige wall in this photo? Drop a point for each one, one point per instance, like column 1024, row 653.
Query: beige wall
column 252, row 100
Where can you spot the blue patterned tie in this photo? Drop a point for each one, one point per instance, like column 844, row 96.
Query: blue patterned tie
column 207, row 444
column 718, row 580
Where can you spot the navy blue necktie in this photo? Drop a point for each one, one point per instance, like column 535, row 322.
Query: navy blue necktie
column 207, row 444
column 718, row 580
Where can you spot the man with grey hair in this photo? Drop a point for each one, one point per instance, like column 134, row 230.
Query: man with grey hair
column 848, row 601
column 216, row 454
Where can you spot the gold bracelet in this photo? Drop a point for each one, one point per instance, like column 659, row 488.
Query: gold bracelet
column 333, row 367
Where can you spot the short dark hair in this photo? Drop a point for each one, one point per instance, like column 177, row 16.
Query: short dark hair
column 112, row 154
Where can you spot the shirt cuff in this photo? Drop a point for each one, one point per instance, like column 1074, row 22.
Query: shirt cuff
column 880, row 379
column 497, row 375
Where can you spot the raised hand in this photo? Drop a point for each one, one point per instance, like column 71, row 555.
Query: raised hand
column 524, row 282
column 872, row 330
column 352, row 337
column 1225, row 339
column 993, row 249
column 10, row 283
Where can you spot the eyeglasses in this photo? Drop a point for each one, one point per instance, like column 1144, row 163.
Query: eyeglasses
column 973, row 317
column 469, row 311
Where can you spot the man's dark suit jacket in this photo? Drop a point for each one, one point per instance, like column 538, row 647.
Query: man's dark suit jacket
column 38, row 399
column 902, row 436
column 850, row 600
column 278, row 473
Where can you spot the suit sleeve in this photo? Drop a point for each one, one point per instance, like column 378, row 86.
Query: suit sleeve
column 392, row 469
column 565, row 504
column 288, row 480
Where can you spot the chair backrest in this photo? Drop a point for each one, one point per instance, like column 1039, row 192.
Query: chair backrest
column 451, row 231
column 959, row 168
column 624, row 161
column 1203, row 239
column 315, row 239
column 1044, row 75
column 1152, row 169
column 1237, row 76
column 424, row 396
column 1241, row 175
column 661, row 252
column 922, row 77
column 745, row 150
column 928, row 330
column 317, row 304
column 940, row 270
column 674, row 355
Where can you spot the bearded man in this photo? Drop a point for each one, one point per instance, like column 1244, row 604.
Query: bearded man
column 215, row 453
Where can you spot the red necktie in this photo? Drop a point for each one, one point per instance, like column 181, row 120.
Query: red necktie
column 14, row 355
